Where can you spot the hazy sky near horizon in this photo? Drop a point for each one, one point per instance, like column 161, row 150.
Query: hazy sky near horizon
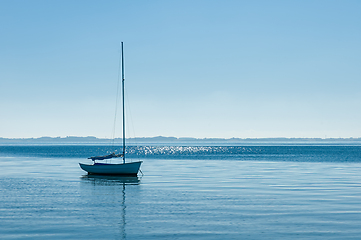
column 193, row 68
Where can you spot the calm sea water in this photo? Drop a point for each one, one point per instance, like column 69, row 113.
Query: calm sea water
column 238, row 192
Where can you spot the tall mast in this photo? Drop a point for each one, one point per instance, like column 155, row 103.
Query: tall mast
column 123, row 105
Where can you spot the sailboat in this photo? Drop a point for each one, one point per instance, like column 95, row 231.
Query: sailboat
column 122, row 169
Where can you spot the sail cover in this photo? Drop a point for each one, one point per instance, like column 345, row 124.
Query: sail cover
column 112, row 155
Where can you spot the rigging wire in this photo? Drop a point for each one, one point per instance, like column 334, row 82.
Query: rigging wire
column 116, row 101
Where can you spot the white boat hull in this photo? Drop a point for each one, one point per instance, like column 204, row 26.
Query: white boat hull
column 126, row 169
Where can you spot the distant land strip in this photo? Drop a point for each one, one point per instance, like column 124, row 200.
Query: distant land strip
column 170, row 140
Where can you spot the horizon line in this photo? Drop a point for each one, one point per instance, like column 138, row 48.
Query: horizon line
column 183, row 138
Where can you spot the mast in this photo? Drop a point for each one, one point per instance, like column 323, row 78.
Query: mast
column 123, row 105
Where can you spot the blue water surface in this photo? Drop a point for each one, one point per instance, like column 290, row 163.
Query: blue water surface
column 312, row 153
column 186, row 192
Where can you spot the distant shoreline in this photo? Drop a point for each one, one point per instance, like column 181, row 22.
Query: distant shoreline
column 177, row 141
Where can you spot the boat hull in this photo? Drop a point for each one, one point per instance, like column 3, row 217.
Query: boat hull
column 125, row 169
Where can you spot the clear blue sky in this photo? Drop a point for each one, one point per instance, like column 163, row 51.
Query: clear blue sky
column 193, row 68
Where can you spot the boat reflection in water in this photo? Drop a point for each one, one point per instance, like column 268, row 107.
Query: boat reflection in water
column 119, row 182
column 111, row 180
